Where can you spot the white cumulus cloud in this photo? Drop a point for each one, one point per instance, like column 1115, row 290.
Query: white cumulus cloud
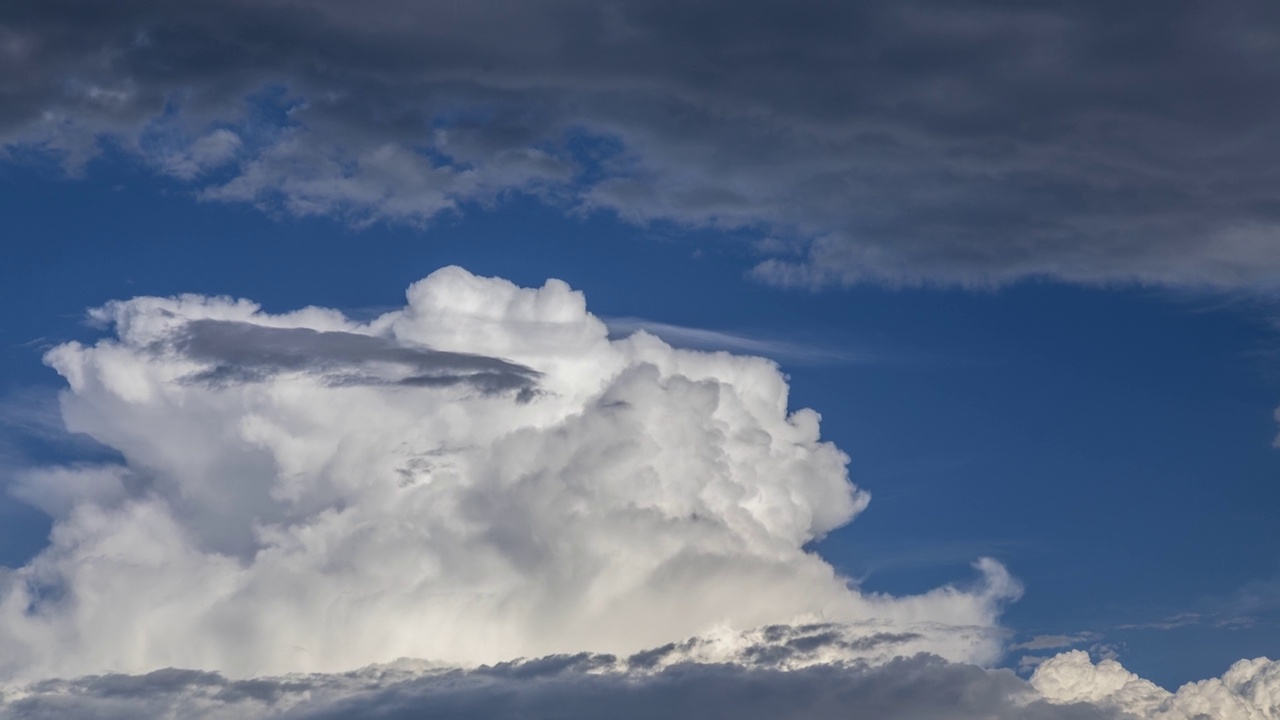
column 1249, row 690
column 481, row 476
column 316, row 517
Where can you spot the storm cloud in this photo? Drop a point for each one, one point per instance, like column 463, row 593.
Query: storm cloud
column 969, row 143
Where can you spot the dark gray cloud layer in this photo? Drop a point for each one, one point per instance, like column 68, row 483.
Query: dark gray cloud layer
column 240, row 352
column 567, row 687
column 958, row 142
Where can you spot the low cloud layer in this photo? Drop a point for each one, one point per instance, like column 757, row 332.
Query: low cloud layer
column 548, row 490
column 967, row 143
column 581, row 686
column 1249, row 690
column 570, row 687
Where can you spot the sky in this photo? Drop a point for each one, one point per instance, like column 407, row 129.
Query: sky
column 762, row 359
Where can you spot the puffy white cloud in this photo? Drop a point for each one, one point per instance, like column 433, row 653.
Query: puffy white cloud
column 480, row 476
column 1249, row 690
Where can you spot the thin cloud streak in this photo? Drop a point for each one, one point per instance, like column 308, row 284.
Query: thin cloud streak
column 706, row 339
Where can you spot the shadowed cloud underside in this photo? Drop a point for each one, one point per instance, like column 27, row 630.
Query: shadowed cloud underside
column 970, row 143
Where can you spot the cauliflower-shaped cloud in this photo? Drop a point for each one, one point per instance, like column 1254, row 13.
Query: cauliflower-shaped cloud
column 1249, row 690
column 480, row 476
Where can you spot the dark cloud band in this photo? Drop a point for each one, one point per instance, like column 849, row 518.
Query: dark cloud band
column 240, row 352
column 569, row 687
column 973, row 143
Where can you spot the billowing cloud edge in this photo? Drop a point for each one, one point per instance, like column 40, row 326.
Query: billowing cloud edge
column 480, row 476
column 277, row 502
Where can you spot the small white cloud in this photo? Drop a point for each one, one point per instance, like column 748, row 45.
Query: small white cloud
column 207, row 153
column 1027, row 663
column 704, row 339
column 1249, row 690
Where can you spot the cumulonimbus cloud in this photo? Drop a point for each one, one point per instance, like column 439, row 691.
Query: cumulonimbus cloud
column 966, row 142
column 294, row 497
column 295, row 531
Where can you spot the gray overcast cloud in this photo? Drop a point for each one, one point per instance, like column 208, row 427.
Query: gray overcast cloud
column 569, row 687
column 244, row 352
column 896, row 142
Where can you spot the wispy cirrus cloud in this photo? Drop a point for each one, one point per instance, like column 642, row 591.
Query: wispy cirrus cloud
column 780, row 349
column 1054, row 642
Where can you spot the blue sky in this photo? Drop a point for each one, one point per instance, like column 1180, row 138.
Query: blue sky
column 1023, row 259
